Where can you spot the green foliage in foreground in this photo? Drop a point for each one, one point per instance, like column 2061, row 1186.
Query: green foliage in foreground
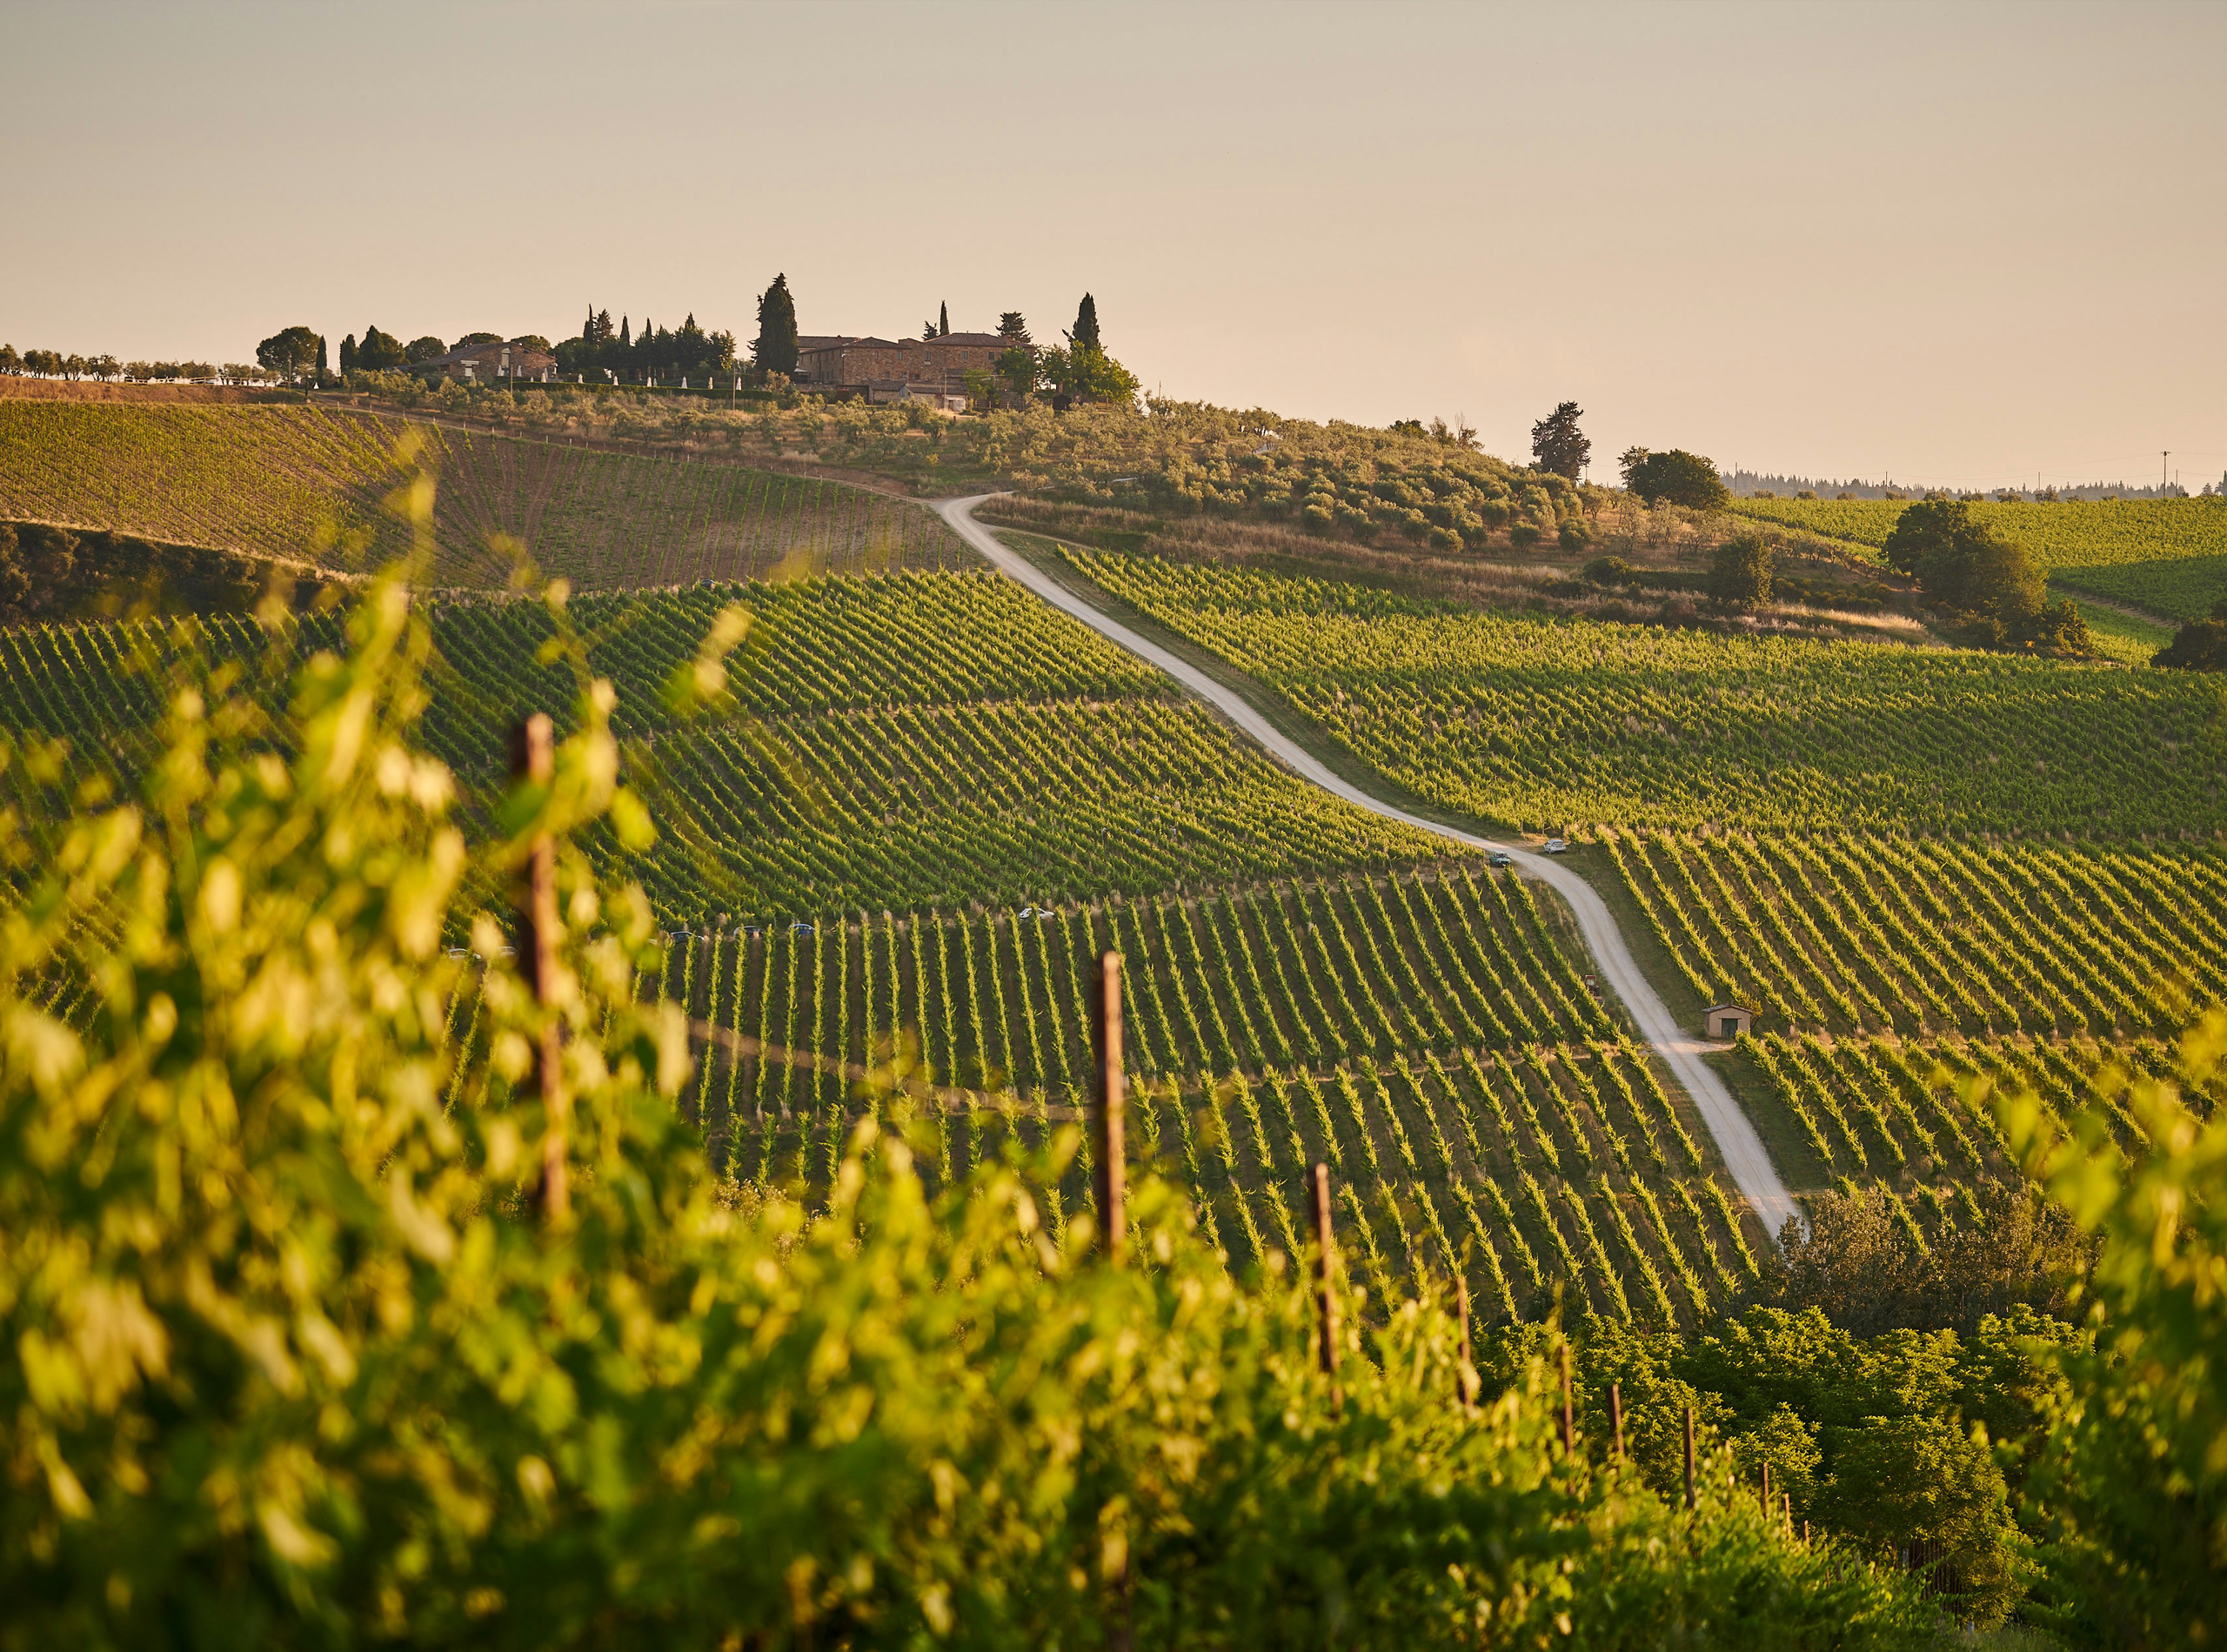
column 298, row 1357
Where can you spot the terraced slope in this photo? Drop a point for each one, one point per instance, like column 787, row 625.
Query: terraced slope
column 2167, row 555
column 310, row 484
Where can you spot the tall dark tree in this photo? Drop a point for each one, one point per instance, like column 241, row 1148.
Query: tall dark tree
column 1084, row 335
column 1012, row 327
column 626, row 340
column 348, row 354
column 379, row 353
column 775, row 348
column 943, row 320
column 322, row 368
column 1557, row 444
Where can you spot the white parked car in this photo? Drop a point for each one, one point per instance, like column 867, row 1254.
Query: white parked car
column 1556, row 846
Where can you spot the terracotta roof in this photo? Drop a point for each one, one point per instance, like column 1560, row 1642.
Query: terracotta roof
column 979, row 340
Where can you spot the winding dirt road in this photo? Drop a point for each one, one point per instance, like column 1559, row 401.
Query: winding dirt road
column 1737, row 1141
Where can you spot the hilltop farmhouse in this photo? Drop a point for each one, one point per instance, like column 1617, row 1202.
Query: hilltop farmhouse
column 886, row 370
column 508, row 361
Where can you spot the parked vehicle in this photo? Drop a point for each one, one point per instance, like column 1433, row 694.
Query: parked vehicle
column 1500, row 858
column 1556, row 846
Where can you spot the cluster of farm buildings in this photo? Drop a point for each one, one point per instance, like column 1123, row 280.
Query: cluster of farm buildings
column 887, row 369
column 874, row 370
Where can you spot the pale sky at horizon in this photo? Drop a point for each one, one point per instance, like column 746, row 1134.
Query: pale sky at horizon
column 1957, row 244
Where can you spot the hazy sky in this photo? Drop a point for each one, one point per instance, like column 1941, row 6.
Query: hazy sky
column 1959, row 243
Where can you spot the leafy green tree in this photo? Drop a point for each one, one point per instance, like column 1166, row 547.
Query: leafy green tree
column 1740, row 572
column 1017, row 369
column 472, row 338
column 1077, row 374
column 1012, row 327
column 11, row 363
column 1084, row 334
column 2199, row 645
column 292, row 351
column 1963, row 564
column 1675, row 477
column 426, row 349
column 1924, row 1491
column 1557, row 444
column 775, row 349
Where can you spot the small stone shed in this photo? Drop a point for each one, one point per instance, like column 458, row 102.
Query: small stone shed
column 1726, row 1021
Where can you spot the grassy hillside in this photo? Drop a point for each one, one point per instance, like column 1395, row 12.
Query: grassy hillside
column 2166, row 555
column 310, row 484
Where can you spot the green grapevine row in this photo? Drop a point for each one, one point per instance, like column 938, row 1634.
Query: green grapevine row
column 1537, row 722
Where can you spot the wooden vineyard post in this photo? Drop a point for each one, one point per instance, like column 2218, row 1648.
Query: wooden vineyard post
column 1111, row 1171
column 1329, row 1301
column 1786, row 1507
column 1766, row 1491
column 533, row 761
column 1463, row 1383
column 1616, row 1415
column 1569, row 1417
column 1690, row 1504
column 1110, row 1178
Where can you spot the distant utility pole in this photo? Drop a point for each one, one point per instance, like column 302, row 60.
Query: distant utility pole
column 2163, row 455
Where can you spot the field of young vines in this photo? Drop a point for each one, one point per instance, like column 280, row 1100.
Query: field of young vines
column 1425, row 1034
column 2166, row 555
column 310, row 482
column 1539, row 723
column 899, row 741
column 1859, row 936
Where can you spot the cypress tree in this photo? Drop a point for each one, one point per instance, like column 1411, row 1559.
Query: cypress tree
column 624, row 341
column 943, row 320
column 348, row 354
column 775, row 350
column 321, row 368
column 1085, row 336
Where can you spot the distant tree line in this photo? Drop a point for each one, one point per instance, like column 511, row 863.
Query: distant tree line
column 1746, row 484
column 653, row 353
column 52, row 364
